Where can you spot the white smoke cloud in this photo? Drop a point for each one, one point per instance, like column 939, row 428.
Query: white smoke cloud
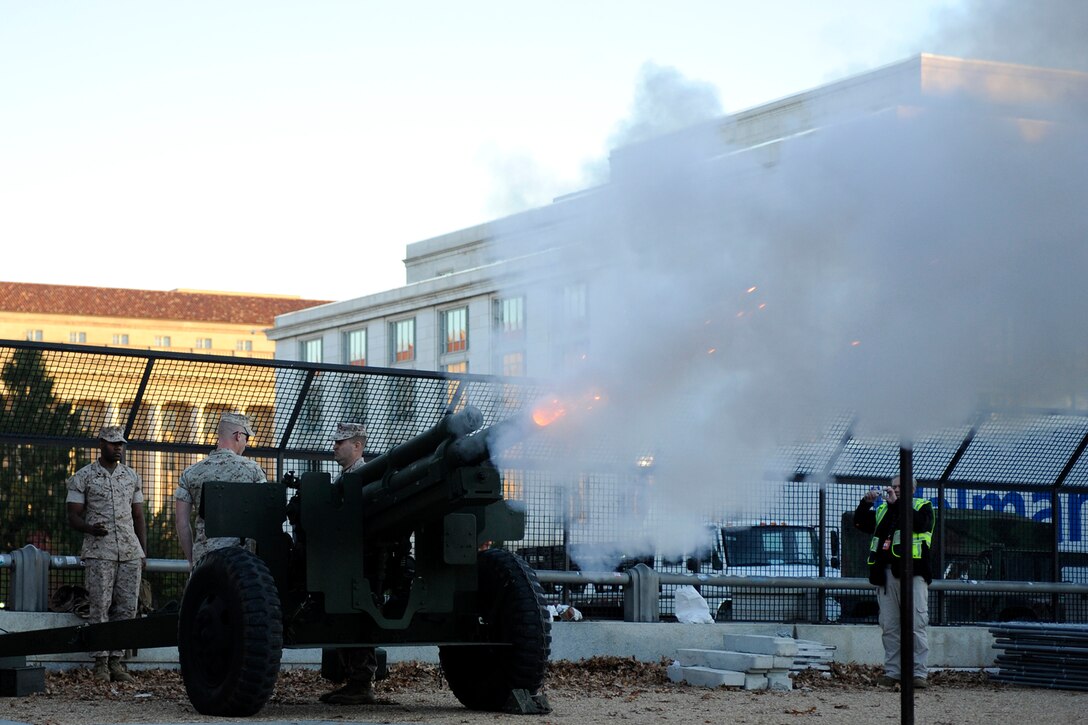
column 904, row 266
column 665, row 101
column 1047, row 33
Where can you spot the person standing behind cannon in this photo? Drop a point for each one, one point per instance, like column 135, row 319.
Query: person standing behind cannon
column 359, row 664
column 105, row 501
column 225, row 463
column 886, row 569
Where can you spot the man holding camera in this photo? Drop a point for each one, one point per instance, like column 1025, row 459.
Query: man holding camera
column 886, row 554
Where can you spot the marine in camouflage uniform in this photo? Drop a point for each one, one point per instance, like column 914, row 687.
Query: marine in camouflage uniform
column 225, row 463
column 105, row 502
column 359, row 664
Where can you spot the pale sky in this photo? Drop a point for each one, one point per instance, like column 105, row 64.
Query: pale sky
column 297, row 147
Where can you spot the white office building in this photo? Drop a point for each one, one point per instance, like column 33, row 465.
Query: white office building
column 521, row 295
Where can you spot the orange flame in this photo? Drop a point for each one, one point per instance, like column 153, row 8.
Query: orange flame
column 549, row 412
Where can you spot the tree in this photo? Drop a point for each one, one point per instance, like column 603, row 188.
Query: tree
column 32, row 476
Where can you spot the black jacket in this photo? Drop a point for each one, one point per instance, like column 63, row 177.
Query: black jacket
column 923, row 521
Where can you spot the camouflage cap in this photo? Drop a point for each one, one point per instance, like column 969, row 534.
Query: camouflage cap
column 236, row 421
column 112, row 434
column 349, row 430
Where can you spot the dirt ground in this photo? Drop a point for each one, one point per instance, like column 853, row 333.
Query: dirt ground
column 595, row 691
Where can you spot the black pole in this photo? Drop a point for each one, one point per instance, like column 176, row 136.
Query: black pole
column 906, row 585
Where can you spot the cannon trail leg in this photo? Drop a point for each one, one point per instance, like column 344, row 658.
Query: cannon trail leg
column 230, row 634
column 512, row 611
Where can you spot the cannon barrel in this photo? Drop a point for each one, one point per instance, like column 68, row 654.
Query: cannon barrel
column 452, row 425
column 449, row 473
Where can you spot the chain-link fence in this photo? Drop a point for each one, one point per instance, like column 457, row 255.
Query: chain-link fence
column 1010, row 490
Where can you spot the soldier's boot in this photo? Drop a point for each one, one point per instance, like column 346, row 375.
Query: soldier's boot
column 117, row 671
column 101, row 669
column 354, row 692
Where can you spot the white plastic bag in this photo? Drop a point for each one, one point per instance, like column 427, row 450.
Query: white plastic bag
column 691, row 608
column 563, row 612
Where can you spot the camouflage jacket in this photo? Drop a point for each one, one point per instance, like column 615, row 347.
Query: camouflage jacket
column 107, row 499
column 353, row 467
column 220, row 465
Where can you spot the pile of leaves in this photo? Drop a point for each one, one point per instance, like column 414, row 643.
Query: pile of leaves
column 846, row 676
column 603, row 676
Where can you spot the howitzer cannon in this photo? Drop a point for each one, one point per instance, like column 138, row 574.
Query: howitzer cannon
column 348, row 579
column 394, row 553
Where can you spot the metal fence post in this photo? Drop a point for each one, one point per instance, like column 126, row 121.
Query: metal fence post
column 30, row 579
column 640, row 596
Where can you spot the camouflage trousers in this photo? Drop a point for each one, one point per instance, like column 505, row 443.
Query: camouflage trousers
column 114, row 591
column 359, row 663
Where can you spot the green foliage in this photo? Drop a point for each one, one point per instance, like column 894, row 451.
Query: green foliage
column 32, row 491
column 162, row 540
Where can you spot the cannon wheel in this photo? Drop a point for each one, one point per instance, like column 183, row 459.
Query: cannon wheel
column 512, row 613
column 230, row 634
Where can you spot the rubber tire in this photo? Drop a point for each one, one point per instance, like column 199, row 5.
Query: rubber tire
column 512, row 611
column 230, row 634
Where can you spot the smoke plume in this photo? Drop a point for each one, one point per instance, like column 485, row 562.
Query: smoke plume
column 906, row 266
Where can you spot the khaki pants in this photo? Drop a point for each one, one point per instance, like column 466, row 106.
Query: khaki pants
column 113, row 589
column 888, row 597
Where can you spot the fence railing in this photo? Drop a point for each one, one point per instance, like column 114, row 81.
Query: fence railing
column 637, row 594
column 1010, row 489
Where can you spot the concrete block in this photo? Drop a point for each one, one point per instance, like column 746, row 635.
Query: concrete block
column 783, row 663
column 573, row 641
column 675, row 672
column 758, row 644
column 722, row 660
column 779, row 680
column 755, row 682
column 854, row 643
column 709, row 677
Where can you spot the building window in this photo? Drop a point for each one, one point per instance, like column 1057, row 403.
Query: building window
column 244, row 346
column 203, row 343
column 34, row 335
column 211, row 415
column 513, row 485
column 77, row 337
column 457, row 367
column 162, row 341
column 404, row 340
column 513, row 364
column 455, row 330
column 120, row 339
column 355, row 347
column 573, row 356
column 264, row 423
column 310, row 350
column 176, row 422
column 510, row 318
column 92, row 414
column 574, row 301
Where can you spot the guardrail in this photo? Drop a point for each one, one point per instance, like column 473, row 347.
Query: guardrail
column 641, row 585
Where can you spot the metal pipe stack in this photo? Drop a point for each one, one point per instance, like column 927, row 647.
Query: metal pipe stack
column 1042, row 655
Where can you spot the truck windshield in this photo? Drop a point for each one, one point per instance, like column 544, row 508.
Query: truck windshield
column 769, row 546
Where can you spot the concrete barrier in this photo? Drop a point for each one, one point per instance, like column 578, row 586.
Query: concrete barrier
column 957, row 647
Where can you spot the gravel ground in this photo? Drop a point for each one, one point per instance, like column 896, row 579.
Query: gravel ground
column 595, row 691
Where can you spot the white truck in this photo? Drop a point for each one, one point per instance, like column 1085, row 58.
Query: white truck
column 735, row 549
column 761, row 550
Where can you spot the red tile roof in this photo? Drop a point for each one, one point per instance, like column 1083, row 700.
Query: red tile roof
column 232, row 308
